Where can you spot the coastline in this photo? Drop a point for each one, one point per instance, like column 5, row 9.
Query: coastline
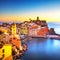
column 47, row 37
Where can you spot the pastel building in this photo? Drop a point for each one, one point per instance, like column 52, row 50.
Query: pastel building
column 23, row 29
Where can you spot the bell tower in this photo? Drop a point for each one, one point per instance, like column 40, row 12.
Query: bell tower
column 13, row 28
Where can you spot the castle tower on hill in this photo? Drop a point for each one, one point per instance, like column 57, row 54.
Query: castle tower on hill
column 37, row 18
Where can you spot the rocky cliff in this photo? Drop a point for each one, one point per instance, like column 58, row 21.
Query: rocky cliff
column 52, row 31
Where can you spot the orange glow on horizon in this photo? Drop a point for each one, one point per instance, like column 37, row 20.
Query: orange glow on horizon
column 26, row 18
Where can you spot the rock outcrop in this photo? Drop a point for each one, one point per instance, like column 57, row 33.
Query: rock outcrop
column 52, row 32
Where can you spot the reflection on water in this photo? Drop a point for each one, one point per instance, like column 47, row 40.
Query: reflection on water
column 41, row 49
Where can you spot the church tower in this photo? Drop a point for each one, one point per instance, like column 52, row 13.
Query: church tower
column 13, row 28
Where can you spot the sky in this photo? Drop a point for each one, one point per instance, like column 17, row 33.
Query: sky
column 21, row 10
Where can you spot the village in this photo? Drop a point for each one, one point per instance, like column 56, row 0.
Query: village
column 13, row 34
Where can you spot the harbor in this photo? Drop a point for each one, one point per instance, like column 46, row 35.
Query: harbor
column 42, row 49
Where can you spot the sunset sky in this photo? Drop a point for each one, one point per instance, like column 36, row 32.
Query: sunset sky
column 21, row 10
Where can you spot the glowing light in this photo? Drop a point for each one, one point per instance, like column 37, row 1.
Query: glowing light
column 56, row 43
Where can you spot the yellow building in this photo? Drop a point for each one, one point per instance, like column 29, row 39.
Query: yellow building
column 13, row 28
column 23, row 29
column 6, row 52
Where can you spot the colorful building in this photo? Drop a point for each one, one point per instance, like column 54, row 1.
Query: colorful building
column 32, row 31
column 16, row 41
column 36, row 30
column 23, row 29
column 6, row 52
